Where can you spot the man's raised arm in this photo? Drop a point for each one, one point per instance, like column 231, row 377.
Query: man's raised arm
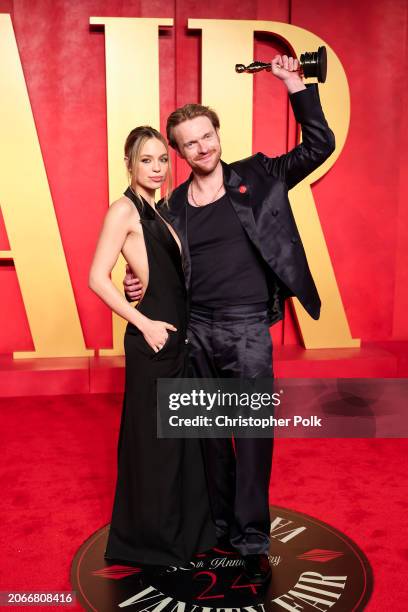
column 318, row 141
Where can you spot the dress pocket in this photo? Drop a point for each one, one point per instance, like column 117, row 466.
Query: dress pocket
column 138, row 341
column 144, row 347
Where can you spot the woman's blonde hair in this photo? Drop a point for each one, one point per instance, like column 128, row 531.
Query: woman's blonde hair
column 133, row 147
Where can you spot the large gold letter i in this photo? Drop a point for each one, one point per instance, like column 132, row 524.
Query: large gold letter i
column 132, row 93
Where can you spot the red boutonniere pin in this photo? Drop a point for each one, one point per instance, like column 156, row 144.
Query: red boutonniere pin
column 242, row 189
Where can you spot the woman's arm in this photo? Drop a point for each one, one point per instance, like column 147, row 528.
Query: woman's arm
column 114, row 232
column 116, row 226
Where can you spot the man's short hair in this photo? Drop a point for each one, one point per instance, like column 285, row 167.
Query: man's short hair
column 186, row 112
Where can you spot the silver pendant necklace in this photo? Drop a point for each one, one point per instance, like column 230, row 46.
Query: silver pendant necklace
column 215, row 195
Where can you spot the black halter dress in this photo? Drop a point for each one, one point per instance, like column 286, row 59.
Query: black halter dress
column 161, row 511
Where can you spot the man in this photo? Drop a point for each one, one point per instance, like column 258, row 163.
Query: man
column 243, row 256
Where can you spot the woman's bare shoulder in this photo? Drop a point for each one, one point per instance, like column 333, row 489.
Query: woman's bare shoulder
column 124, row 208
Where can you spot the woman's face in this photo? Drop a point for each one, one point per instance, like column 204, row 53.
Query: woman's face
column 150, row 170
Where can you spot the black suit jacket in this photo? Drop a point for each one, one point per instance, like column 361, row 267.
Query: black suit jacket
column 258, row 189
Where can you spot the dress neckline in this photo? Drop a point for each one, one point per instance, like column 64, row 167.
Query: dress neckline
column 148, row 213
column 145, row 210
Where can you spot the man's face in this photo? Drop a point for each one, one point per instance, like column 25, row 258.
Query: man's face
column 199, row 144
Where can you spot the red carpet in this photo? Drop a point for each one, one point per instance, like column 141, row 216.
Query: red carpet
column 58, row 473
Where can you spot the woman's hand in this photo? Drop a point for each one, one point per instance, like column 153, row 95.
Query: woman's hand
column 155, row 333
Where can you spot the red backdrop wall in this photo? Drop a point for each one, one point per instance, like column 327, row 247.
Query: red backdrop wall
column 362, row 201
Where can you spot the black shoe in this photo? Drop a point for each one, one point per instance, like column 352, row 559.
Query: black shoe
column 257, row 569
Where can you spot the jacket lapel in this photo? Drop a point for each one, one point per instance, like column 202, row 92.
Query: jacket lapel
column 239, row 195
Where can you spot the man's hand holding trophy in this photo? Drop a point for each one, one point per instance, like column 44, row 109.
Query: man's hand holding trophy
column 311, row 64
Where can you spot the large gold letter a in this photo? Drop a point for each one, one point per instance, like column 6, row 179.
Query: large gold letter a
column 30, row 218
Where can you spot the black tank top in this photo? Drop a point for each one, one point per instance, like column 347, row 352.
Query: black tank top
column 165, row 296
column 226, row 269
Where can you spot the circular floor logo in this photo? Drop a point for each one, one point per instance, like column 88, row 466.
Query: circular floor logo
column 314, row 567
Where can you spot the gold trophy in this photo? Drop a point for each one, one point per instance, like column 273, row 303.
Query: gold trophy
column 312, row 64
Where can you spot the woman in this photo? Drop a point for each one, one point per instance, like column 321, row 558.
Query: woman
column 161, row 513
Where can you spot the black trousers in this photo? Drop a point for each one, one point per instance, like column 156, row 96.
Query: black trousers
column 234, row 342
